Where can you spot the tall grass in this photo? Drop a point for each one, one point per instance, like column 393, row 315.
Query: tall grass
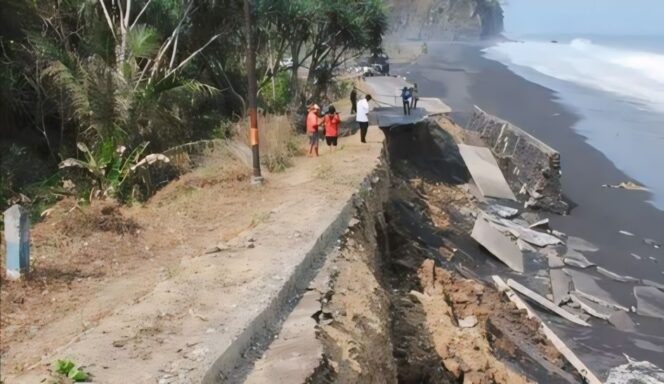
column 278, row 141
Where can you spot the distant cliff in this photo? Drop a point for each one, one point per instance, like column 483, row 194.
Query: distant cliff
column 445, row 19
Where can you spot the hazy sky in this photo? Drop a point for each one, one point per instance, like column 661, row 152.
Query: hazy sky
column 615, row 17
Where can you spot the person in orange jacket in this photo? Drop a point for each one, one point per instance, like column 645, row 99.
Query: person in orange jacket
column 331, row 121
column 313, row 122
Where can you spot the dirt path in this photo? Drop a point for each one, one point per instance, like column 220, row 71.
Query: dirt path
column 148, row 299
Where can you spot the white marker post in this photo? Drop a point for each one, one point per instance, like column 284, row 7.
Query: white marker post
column 17, row 241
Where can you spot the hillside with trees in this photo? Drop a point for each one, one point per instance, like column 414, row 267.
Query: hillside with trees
column 92, row 91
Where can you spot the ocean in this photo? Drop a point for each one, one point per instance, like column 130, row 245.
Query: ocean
column 614, row 84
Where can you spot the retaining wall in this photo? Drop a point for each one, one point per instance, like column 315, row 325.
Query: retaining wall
column 531, row 167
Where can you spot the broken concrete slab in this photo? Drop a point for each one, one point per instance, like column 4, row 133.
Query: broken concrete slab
column 541, row 300
column 524, row 246
column 528, row 163
column 580, row 244
column 498, row 244
column 649, row 301
column 561, row 285
column 541, row 223
column 501, row 211
column 622, row 321
column 592, row 308
column 587, row 286
column 617, row 277
column 651, row 283
column 576, row 259
column 557, row 342
column 531, row 236
column 485, row 171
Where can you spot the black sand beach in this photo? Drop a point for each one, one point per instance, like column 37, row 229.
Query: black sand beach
column 462, row 78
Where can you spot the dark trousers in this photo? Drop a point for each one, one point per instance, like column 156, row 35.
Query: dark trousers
column 353, row 107
column 363, row 131
column 406, row 107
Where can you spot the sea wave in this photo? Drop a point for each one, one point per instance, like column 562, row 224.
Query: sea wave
column 632, row 74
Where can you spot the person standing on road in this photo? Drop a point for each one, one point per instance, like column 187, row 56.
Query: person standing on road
column 406, row 96
column 414, row 96
column 353, row 101
column 313, row 121
column 331, row 121
column 362, row 117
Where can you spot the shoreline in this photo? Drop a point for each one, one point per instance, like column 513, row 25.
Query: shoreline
column 462, row 77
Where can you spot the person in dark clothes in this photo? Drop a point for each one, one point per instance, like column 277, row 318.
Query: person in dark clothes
column 353, row 101
column 362, row 117
column 406, row 96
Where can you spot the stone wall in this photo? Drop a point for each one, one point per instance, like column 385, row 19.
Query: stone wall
column 531, row 167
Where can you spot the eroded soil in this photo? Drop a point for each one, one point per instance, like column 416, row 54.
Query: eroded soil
column 404, row 286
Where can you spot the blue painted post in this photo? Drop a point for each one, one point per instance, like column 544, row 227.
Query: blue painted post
column 17, row 241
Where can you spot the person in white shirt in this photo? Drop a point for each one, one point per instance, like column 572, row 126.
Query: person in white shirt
column 362, row 117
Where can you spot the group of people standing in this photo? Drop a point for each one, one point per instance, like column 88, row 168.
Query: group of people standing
column 330, row 122
column 409, row 98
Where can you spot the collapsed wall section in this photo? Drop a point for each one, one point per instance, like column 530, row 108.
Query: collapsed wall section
column 531, row 167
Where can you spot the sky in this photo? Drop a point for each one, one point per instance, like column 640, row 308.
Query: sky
column 604, row 17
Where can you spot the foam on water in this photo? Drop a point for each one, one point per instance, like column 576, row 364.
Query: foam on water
column 632, row 74
column 618, row 91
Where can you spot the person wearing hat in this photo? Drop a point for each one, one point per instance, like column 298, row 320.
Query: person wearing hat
column 313, row 122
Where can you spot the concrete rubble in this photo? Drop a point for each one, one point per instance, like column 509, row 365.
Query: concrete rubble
column 485, row 171
column 530, row 165
column 542, row 301
column 498, row 244
column 586, row 285
column 649, row 301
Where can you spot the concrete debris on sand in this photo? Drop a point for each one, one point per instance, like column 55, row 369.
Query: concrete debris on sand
column 576, row 259
column 649, row 301
column 524, row 233
column 651, row 283
column 485, row 171
column 498, row 244
column 591, row 308
column 580, row 244
column 617, row 277
column 502, row 211
column 642, row 372
column 541, row 223
column 587, row 286
column 626, row 185
column 561, row 285
column 622, row 321
column 542, row 301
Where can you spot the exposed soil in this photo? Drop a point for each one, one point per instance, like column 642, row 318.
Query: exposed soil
column 398, row 286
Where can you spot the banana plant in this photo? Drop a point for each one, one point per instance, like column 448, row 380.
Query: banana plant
column 111, row 166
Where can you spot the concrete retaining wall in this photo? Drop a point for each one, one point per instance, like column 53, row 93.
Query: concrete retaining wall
column 531, row 167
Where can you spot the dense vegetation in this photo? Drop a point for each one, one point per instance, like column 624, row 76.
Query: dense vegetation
column 97, row 85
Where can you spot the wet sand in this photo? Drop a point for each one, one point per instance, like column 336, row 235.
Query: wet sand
column 462, row 78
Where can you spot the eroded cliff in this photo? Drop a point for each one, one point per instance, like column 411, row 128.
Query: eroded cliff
column 445, row 19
